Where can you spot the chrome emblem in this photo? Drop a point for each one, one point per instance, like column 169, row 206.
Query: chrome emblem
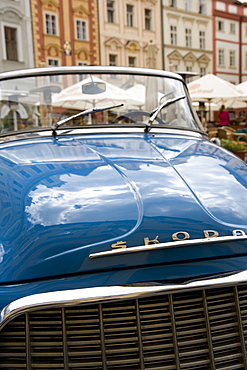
column 179, row 239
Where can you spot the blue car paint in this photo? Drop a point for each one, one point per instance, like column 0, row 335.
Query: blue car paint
column 76, row 195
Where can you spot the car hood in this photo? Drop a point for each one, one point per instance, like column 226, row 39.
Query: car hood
column 69, row 198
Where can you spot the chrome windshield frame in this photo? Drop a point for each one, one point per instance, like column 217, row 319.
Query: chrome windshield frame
column 88, row 69
column 106, row 70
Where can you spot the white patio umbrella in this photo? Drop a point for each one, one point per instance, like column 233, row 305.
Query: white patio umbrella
column 242, row 101
column 73, row 97
column 139, row 92
column 242, row 87
column 211, row 88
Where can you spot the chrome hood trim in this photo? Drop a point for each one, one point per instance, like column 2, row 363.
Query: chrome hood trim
column 109, row 293
column 183, row 243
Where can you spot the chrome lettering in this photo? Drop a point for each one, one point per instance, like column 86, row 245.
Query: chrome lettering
column 184, row 235
column 210, row 233
column 211, row 236
column 147, row 241
column 238, row 233
column 178, row 236
column 119, row 245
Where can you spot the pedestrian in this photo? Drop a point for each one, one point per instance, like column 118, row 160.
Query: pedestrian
column 224, row 116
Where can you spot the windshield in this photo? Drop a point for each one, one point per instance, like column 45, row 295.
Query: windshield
column 47, row 100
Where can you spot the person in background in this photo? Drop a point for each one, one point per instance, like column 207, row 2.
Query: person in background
column 224, row 116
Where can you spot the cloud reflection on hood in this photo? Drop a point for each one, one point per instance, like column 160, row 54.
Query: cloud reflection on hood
column 74, row 201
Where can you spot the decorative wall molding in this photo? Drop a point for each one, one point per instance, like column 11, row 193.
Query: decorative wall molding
column 175, row 55
column 83, row 54
column 10, row 13
column 153, row 2
column 53, row 50
column 80, row 10
column 132, row 45
column 203, row 59
column 50, row 3
column 113, row 43
column 189, row 57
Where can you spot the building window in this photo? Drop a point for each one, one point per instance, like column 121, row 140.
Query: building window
column 202, row 71
column 173, row 3
column 10, row 35
column 130, row 15
column 54, row 63
column 189, row 78
column 188, row 37
column 81, row 30
column 112, row 60
column 232, row 28
column 51, row 24
column 132, row 61
column 202, row 7
column 110, row 11
column 82, row 64
column 173, row 34
column 202, row 40
column 148, row 19
column 220, row 26
column 221, row 57
column 84, row 76
column 187, row 5
column 232, row 58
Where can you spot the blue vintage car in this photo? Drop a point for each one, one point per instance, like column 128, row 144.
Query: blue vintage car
column 123, row 229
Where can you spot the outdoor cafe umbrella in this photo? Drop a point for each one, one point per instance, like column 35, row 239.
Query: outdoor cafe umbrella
column 73, row 97
column 242, row 88
column 140, row 93
column 242, row 101
column 211, row 88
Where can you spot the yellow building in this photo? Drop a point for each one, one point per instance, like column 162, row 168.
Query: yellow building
column 65, row 32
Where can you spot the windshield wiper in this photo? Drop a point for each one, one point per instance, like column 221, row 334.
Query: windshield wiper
column 84, row 113
column 156, row 111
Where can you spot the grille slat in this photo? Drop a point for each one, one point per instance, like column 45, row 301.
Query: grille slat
column 192, row 330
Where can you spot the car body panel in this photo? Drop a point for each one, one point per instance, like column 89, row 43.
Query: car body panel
column 123, row 228
column 81, row 195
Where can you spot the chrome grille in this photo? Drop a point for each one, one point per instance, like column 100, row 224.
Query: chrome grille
column 198, row 329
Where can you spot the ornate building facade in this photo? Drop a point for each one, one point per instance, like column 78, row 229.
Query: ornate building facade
column 127, row 29
column 16, row 47
column 187, row 34
column 65, row 32
column 230, row 40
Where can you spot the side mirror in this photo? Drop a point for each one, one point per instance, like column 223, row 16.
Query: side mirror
column 94, row 88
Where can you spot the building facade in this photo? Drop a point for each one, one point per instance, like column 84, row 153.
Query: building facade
column 16, row 47
column 65, row 32
column 230, row 40
column 127, row 29
column 187, row 35
column 198, row 36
